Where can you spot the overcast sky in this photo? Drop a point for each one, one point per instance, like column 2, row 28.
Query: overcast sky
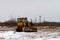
column 50, row 9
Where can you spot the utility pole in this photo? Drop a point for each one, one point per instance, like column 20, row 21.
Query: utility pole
column 39, row 18
column 35, row 20
column 31, row 20
column 44, row 19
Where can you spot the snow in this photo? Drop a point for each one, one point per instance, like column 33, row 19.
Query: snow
column 40, row 35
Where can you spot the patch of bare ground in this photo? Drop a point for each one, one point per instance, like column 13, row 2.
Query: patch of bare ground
column 1, row 38
column 7, row 28
column 49, row 28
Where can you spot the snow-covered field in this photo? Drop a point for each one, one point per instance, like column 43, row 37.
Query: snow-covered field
column 44, row 34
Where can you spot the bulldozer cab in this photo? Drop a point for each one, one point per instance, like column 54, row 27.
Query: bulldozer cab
column 22, row 19
column 21, row 23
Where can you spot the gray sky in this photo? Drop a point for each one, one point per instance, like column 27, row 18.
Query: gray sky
column 50, row 9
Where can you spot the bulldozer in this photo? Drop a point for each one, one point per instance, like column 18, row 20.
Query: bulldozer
column 23, row 25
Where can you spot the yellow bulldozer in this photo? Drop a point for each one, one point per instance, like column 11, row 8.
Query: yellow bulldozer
column 24, row 25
